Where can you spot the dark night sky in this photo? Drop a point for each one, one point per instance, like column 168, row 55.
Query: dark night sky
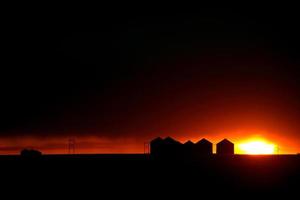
column 125, row 73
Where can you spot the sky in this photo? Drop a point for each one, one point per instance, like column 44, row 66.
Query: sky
column 116, row 78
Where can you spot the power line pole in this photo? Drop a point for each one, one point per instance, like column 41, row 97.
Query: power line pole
column 71, row 145
column 146, row 148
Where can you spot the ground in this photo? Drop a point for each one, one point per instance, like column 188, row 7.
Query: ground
column 140, row 175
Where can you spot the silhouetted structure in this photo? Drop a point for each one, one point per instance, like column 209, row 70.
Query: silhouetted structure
column 170, row 148
column 146, row 148
column 225, row 147
column 203, row 147
column 188, row 150
column 71, row 145
column 167, row 148
column 156, row 146
column 30, row 153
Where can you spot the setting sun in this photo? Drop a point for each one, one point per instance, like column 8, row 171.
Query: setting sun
column 257, row 147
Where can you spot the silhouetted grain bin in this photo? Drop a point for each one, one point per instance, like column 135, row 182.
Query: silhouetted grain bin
column 225, row 147
column 168, row 147
column 203, row 147
column 188, row 149
column 156, row 146
column 172, row 148
column 189, row 144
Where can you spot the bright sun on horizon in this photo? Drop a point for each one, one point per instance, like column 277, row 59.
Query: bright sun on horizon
column 257, row 147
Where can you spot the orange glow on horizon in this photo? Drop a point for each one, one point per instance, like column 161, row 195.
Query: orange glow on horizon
column 83, row 145
column 245, row 143
column 248, row 143
column 257, row 147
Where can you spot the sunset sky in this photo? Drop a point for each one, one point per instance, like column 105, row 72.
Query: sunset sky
column 114, row 79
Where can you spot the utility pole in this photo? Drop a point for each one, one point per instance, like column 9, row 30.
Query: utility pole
column 71, row 145
column 146, row 148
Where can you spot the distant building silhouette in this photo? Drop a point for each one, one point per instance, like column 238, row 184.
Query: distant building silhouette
column 204, row 147
column 188, row 150
column 170, row 148
column 30, row 153
column 167, row 148
column 156, row 146
column 225, row 147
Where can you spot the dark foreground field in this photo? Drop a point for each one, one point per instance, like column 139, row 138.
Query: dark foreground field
column 142, row 176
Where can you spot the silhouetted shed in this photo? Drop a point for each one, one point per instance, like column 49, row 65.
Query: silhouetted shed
column 203, row 147
column 225, row 147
